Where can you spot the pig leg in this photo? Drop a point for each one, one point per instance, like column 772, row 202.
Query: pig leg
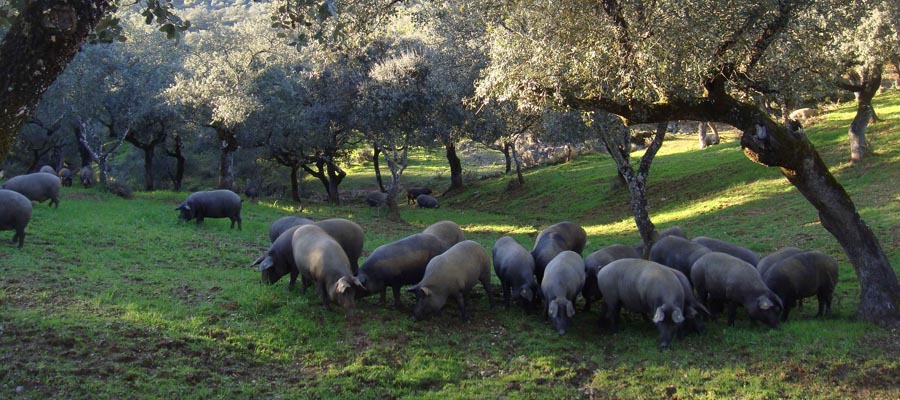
column 506, row 289
column 397, row 302
column 461, row 301
column 323, row 293
column 821, row 300
column 294, row 281
column 788, row 302
column 732, row 311
column 383, row 296
column 488, row 290
column 827, row 297
column 305, row 283
column 199, row 221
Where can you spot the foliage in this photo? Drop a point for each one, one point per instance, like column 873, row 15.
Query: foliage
column 89, row 309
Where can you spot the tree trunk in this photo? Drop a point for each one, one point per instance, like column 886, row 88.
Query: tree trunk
column 456, row 175
column 35, row 51
column 226, row 169
column 178, row 153
column 335, row 177
column 701, row 129
column 148, row 169
column 506, row 156
column 617, row 140
column 375, row 160
column 859, row 148
column 295, row 187
column 798, row 160
column 515, row 155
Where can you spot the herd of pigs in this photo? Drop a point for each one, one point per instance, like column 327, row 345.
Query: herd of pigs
column 683, row 282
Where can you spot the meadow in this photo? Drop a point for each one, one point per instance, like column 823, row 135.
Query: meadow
column 114, row 298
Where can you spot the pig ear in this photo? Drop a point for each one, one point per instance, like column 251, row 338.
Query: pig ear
column 358, row 283
column 342, row 285
column 659, row 316
column 414, row 289
column 425, row 291
column 570, row 309
column 265, row 264
column 702, row 309
column 677, row 316
column 764, row 303
column 258, row 260
column 526, row 294
column 777, row 300
column 553, row 309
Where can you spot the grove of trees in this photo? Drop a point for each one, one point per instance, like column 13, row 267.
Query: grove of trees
column 295, row 87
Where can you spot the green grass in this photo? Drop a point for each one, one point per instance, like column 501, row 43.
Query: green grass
column 114, row 298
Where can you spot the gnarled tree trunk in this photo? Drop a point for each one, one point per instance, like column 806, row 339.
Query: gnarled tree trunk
column 33, row 55
column 456, row 178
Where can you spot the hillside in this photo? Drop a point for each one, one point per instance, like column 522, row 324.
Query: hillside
column 114, row 298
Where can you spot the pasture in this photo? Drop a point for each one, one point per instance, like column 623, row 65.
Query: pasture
column 114, row 298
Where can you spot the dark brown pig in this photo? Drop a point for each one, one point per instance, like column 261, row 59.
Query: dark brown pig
column 447, row 231
column 802, row 275
column 722, row 278
column 211, row 204
column 643, row 287
column 38, row 187
column 282, row 224
column 563, row 280
column 322, row 262
column 452, row 274
column 514, row 266
column 553, row 240
column 15, row 212
column 597, row 260
column 398, row 263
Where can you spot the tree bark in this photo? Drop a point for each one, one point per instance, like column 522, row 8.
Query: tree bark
column 617, row 140
column 178, row 153
column 229, row 145
column 456, row 175
column 35, row 51
column 149, row 149
column 798, row 160
column 295, row 187
column 775, row 145
column 859, row 147
column 375, row 160
column 515, row 155
column 506, row 156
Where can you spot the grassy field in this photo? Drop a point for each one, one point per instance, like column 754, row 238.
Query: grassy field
column 114, row 298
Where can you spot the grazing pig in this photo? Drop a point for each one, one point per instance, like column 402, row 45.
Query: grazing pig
column 278, row 260
column 692, row 307
column 349, row 235
column 453, row 273
column 770, row 260
column 412, row 194
column 670, row 231
column 65, row 175
column 322, row 262
column 597, row 260
column 677, row 252
column 282, row 224
column 398, row 263
column 806, row 274
column 553, row 240
column 38, row 187
column 514, row 266
column 87, row 176
column 722, row 246
column 15, row 212
column 563, row 279
column 212, row 204
column 720, row 277
column 426, row 201
column 447, row 231
column 643, row 287
column 377, row 199
column 48, row 170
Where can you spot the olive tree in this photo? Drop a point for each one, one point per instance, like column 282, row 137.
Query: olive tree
column 700, row 61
